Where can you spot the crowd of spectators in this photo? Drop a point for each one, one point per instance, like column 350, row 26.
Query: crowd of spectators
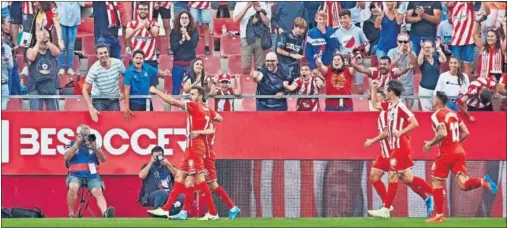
column 304, row 48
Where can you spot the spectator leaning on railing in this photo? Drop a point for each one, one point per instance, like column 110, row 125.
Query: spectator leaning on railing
column 429, row 62
column 42, row 77
column 225, row 89
column 82, row 158
column 338, row 82
column 104, row 77
column 184, row 38
column 139, row 76
column 270, row 80
column 306, row 84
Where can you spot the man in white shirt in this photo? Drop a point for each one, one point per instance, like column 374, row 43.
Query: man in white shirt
column 243, row 11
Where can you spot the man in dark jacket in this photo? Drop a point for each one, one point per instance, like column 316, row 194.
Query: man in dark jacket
column 270, row 80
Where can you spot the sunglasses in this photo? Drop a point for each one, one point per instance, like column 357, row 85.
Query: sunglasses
column 403, row 41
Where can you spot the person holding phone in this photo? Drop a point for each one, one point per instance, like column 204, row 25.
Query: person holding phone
column 82, row 158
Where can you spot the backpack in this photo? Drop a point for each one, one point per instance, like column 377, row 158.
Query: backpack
column 18, row 212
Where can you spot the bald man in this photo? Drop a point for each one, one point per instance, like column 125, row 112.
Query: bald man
column 270, row 78
column 82, row 158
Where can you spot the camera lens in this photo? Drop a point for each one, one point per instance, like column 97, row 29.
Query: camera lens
column 160, row 157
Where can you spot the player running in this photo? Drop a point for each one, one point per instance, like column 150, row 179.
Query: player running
column 450, row 133
column 211, row 178
column 382, row 162
column 199, row 118
column 400, row 121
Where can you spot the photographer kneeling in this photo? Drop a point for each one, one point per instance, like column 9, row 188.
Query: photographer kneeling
column 82, row 158
column 158, row 179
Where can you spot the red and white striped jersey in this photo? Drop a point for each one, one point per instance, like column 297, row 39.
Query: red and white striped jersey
column 383, row 79
column 223, row 104
column 462, row 23
column 503, row 80
column 381, row 125
column 143, row 40
column 200, row 5
column 166, row 5
column 309, row 87
column 397, row 119
column 150, row 10
column 471, row 97
column 451, row 143
column 27, row 7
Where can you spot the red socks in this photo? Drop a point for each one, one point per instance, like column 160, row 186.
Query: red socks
column 420, row 187
column 204, row 189
column 473, row 183
column 391, row 193
column 381, row 189
column 178, row 189
column 223, row 195
column 189, row 199
column 438, row 196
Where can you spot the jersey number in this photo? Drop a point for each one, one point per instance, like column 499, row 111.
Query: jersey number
column 455, row 131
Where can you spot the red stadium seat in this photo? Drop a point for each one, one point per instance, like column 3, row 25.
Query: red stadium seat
column 212, row 64
column 76, row 64
column 65, row 80
column 162, row 44
column 15, row 104
column 86, row 27
column 229, row 24
column 158, row 104
column 165, row 62
column 230, row 45
column 88, row 45
column 234, row 65
column 200, row 46
column 91, row 60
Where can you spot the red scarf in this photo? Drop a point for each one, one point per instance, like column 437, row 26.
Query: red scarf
column 112, row 14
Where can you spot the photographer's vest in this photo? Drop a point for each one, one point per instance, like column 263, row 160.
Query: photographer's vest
column 80, row 164
column 158, row 178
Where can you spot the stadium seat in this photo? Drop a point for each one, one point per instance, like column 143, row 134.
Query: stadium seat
column 75, row 104
column 162, row 44
column 212, row 64
column 229, row 24
column 234, row 65
column 86, row 27
column 66, row 80
column 14, row 104
column 230, row 45
column 91, row 60
column 200, row 47
column 88, row 45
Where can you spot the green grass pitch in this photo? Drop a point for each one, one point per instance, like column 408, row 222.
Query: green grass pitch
column 254, row 222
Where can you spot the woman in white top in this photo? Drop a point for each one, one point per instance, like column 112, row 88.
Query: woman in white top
column 453, row 83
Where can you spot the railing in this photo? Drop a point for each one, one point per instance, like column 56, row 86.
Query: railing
column 242, row 102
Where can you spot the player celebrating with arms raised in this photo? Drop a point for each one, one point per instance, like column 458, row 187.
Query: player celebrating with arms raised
column 450, row 132
column 199, row 118
column 400, row 121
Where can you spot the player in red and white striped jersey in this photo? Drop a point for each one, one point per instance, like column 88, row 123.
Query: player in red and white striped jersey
column 400, row 121
column 383, row 73
column 308, row 83
column 478, row 97
column 225, row 104
column 450, row 133
column 142, row 33
column 462, row 42
column 201, row 12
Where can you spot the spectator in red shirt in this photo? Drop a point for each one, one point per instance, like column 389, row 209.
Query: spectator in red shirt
column 308, row 83
column 338, row 82
column 142, row 32
column 224, row 89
